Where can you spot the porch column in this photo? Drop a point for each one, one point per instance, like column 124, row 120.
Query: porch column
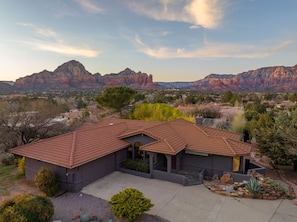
column 169, row 163
column 151, row 162
column 178, row 161
column 133, row 152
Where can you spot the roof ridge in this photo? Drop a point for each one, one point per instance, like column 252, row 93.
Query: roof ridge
column 198, row 127
column 180, row 136
column 228, row 145
column 146, row 131
column 168, row 144
column 71, row 158
column 239, row 142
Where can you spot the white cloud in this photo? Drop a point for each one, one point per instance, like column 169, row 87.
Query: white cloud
column 211, row 50
column 46, row 32
column 155, row 33
column 61, row 48
column 199, row 13
column 89, row 6
column 51, row 42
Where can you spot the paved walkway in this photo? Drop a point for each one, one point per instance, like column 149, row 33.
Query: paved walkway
column 175, row 202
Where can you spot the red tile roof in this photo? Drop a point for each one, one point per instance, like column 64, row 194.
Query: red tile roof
column 77, row 148
column 98, row 140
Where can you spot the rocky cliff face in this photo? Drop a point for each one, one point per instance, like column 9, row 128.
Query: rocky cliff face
column 277, row 79
column 73, row 75
column 5, row 87
column 129, row 78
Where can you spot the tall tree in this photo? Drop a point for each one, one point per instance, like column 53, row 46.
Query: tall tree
column 279, row 141
column 116, row 97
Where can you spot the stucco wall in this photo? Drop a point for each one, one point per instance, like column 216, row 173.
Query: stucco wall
column 32, row 167
column 212, row 164
column 75, row 179
column 97, row 169
column 139, row 138
column 120, row 157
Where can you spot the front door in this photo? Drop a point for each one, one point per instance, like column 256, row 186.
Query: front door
column 173, row 163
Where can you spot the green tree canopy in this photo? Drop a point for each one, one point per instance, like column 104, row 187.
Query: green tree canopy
column 278, row 141
column 116, row 97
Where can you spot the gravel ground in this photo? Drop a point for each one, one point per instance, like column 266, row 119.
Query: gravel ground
column 68, row 205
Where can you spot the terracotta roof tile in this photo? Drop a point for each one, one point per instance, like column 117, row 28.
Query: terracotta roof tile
column 220, row 133
column 74, row 149
column 168, row 135
column 95, row 141
column 217, row 142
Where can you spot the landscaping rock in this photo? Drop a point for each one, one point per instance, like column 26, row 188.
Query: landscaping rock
column 270, row 189
column 227, row 179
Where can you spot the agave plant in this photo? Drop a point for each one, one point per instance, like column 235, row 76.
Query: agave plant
column 254, row 186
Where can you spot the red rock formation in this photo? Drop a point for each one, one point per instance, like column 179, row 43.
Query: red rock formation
column 73, row 75
column 5, row 87
column 277, row 79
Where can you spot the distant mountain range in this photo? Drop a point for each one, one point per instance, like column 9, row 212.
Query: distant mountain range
column 73, row 75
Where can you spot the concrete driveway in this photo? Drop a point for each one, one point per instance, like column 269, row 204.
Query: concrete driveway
column 178, row 203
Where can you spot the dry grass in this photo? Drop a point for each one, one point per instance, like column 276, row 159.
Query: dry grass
column 8, row 176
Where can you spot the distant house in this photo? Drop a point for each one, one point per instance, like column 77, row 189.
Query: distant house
column 81, row 157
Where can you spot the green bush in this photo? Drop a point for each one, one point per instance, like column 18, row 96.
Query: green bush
column 277, row 186
column 130, row 204
column 137, row 165
column 7, row 159
column 26, row 208
column 47, row 182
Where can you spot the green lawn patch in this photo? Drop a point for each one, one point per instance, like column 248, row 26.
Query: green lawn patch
column 8, row 176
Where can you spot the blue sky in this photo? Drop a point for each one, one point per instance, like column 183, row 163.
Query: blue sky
column 174, row 40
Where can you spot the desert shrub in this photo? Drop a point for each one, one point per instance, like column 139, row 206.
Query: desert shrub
column 138, row 165
column 21, row 165
column 130, row 204
column 207, row 111
column 26, row 208
column 7, row 159
column 47, row 182
column 277, row 186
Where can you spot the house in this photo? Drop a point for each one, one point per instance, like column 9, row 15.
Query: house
column 81, row 157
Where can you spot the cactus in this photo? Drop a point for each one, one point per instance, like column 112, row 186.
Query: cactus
column 85, row 218
column 254, row 186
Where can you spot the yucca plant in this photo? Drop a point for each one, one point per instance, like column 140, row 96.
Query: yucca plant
column 254, row 186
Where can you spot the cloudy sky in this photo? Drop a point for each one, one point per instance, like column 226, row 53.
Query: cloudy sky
column 175, row 40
